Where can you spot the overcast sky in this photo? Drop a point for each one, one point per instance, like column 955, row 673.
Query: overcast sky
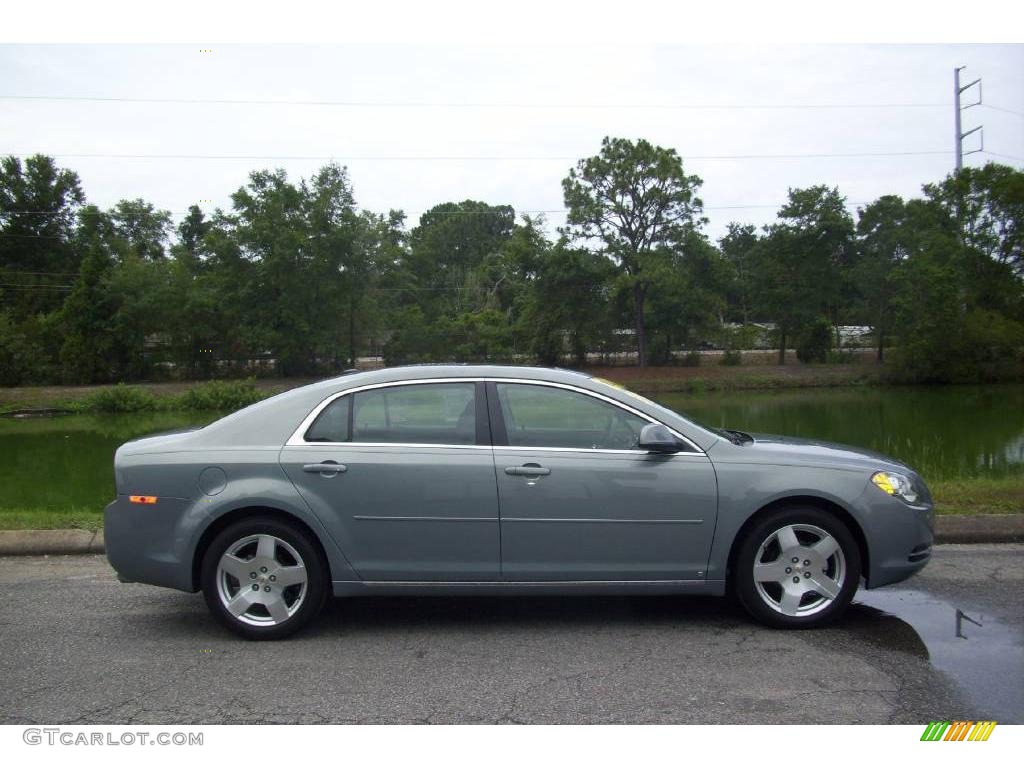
column 543, row 107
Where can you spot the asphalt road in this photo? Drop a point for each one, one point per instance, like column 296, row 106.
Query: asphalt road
column 79, row 647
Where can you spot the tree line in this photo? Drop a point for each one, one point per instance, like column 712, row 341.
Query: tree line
column 298, row 278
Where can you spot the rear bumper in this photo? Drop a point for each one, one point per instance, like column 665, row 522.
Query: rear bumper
column 143, row 542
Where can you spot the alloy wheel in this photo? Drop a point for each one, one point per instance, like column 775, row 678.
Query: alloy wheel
column 799, row 570
column 261, row 580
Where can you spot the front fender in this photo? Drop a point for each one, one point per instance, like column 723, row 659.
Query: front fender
column 744, row 489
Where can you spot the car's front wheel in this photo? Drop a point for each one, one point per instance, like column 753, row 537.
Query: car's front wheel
column 263, row 578
column 796, row 568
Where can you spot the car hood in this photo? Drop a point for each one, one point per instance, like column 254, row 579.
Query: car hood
column 797, row 450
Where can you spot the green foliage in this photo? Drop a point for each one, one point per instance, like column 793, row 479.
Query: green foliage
column 886, row 236
column 692, row 359
column 839, row 356
column 801, row 265
column 295, row 280
column 815, row 342
column 731, row 357
column 412, row 340
column 121, row 398
column 635, row 198
column 220, row 396
column 223, row 396
column 959, row 306
column 566, row 309
column 738, row 249
column 37, row 250
column 986, row 207
column 23, row 358
column 987, row 346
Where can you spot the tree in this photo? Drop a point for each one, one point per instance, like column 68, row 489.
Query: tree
column 291, row 298
column 802, row 262
column 38, row 206
column 340, row 261
column 959, row 301
column 447, row 250
column 567, row 301
column 884, row 240
column 191, row 231
column 636, row 201
column 737, row 247
column 987, row 206
column 144, row 229
column 88, row 348
column 687, row 295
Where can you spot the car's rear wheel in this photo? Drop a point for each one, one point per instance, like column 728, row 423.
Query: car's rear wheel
column 264, row 578
column 796, row 568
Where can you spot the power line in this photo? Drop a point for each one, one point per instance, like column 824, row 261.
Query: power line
column 460, row 158
column 999, row 154
column 17, row 286
column 516, row 211
column 1002, row 109
column 556, row 211
column 8, row 272
column 469, row 104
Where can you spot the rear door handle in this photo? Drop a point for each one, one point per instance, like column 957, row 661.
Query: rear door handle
column 528, row 470
column 327, row 468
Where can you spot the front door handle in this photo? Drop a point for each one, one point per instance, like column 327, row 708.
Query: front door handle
column 528, row 470
column 325, row 469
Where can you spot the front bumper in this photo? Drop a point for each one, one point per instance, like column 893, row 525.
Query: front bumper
column 899, row 537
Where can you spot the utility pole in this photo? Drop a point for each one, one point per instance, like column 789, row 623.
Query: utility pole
column 958, row 134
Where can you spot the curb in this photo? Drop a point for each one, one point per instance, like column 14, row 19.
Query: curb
column 979, row 529
column 949, row 529
column 68, row 541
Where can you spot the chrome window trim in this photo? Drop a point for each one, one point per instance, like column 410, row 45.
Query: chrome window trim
column 297, row 438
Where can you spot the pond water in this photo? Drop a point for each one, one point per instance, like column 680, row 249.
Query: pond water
column 944, row 433
column 65, row 462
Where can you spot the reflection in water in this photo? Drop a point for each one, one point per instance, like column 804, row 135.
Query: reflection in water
column 985, row 657
column 943, row 432
column 76, row 450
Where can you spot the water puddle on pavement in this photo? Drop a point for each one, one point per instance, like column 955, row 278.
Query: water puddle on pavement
column 984, row 656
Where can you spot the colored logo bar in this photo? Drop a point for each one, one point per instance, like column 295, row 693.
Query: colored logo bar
column 959, row 730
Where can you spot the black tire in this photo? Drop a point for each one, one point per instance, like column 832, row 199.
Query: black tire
column 307, row 600
column 813, row 609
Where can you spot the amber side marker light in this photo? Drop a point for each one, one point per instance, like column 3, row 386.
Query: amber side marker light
column 142, row 499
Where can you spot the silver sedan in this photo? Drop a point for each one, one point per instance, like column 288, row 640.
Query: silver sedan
column 498, row 480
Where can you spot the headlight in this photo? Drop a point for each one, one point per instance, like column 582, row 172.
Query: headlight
column 897, row 485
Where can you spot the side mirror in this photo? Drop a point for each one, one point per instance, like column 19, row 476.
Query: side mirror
column 658, row 439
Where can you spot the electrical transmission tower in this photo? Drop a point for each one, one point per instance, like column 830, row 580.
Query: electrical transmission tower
column 959, row 133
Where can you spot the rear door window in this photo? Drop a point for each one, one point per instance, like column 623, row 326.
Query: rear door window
column 438, row 414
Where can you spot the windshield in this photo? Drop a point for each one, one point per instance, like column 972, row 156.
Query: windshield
column 732, row 435
column 648, row 402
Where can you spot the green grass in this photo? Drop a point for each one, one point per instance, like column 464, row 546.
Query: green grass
column 742, row 381
column 979, row 496
column 975, row 496
column 140, row 398
column 27, row 518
